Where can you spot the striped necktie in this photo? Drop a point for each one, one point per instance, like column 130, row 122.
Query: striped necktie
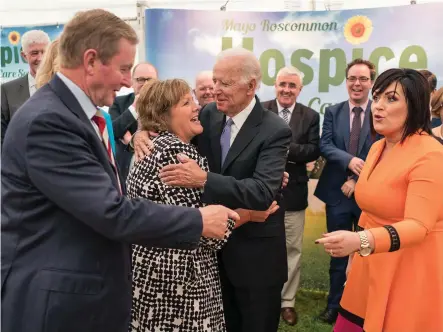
column 100, row 121
column 285, row 115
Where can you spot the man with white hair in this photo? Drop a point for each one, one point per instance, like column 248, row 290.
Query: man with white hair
column 204, row 88
column 305, row 125
column 16, row 92
column 246, row 147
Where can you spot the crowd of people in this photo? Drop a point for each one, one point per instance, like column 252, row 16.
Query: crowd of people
column 183, row 209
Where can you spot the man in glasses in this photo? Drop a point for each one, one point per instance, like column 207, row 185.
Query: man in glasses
column 124, row 116
column 345, row 143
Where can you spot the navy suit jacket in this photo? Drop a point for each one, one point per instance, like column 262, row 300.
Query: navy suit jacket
column 66, row 231
column 250, row 178
column 334, row 144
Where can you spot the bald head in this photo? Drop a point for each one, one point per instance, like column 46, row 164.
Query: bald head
column 142, row 73
column 204, row 88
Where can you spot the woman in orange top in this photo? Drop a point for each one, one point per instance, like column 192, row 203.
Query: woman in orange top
column 395, row 283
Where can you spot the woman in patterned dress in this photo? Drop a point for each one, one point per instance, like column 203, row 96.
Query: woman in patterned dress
column 173, row 289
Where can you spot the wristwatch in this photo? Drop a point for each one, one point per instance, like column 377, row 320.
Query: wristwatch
column 365, row 248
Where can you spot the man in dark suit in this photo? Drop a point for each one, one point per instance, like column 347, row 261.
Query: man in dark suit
column 16, row 92
column 345, row 143
column 246, row 147
column 66, row 230
column 124, row 116
column 305, row 126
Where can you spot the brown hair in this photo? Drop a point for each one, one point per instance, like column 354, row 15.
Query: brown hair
column 156, row 99
column 360, row 61
column 49, row 65
column 437, row 103
column 431, row 78
column 93, row 29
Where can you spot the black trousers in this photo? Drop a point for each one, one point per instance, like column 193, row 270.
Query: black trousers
column 250, row 309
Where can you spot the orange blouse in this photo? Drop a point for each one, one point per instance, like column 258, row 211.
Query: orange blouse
column 400, row 290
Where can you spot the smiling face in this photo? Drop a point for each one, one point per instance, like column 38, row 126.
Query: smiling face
column 232, row 92
column 390, row 111
column 183, row 119
column 104, row 80
column 358, row 84
column 287, row 88
column 34, row 55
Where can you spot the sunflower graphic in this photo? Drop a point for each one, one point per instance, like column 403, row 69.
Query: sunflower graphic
column 14, row 37
column 358, row 29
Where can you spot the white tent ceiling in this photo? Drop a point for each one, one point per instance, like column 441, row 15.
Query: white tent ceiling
column 32, row 12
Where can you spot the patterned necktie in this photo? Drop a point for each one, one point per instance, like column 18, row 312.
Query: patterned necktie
column 355, row 131
column 225, row 140
column 103, row 129
column 285, row 115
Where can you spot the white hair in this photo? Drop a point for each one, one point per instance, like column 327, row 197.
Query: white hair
column 34, row 37
column 289, row 71
column 203, row 74
column 250, row 65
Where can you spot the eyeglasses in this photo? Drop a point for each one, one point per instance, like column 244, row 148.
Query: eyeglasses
column 362, row 79
column 143, row 79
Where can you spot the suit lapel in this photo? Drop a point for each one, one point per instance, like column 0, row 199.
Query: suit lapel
column 273, row 106
column 71, row 102
column 365, row 128
column 296, row 120
column 344, row 124
column 247, row 132
column 218, row 120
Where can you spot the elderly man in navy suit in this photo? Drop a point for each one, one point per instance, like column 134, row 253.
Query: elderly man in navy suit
column 345, row 143
column 66, row 229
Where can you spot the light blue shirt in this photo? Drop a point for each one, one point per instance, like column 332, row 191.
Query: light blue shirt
column 89, row 108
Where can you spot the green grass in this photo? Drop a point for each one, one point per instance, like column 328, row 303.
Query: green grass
column 311, row 298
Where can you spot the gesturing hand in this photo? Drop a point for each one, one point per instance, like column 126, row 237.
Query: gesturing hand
column 340, row 243
column 215, row 220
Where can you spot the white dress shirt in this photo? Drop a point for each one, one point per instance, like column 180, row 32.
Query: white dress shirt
column 31, row 83
column 133, row 112
column 85, row 102
column 239, row 119
column 281, row 108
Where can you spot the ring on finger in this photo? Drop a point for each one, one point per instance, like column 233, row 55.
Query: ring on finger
column 331, row 252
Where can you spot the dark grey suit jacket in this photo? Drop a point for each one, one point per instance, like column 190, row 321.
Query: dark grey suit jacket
column 123, row 121
column 66, row 231
column 14, row 95
column 304, row 147
column 251, row 177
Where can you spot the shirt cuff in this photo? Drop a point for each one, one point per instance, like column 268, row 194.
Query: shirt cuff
column 133, row 112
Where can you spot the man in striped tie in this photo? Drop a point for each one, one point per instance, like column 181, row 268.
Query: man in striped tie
column 305, row 125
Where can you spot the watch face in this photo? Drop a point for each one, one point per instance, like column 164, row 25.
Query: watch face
column 365, row 252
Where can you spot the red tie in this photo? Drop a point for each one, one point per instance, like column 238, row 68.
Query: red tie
column 101, row 124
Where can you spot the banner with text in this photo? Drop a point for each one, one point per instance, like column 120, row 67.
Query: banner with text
column 180, row 43
column 13, row 65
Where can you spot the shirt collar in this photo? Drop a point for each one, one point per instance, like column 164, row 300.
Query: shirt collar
column 31, row 80
column 281, row 108
column 364, row 106
column 88, row 107
column 241, row 117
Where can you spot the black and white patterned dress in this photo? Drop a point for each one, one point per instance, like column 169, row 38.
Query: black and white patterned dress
column 174, row 290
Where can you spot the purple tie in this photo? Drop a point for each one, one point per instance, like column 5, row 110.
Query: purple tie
column 225, row 140
column 355, row 131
